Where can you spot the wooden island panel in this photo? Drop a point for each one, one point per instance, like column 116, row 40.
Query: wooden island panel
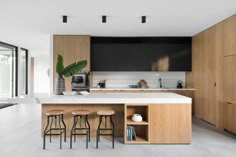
column 170, row 123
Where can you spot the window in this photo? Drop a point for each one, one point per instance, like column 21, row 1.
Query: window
column 23, row 72
column 8, row 66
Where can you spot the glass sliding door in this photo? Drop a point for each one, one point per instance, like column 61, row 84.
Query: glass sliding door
column 7, row 70
column 23, row 72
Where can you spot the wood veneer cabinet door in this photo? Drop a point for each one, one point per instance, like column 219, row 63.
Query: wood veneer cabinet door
column 170, row 123
column 228, row 79
column 230, row 36
column 210, row 77
column 229, row 117
column 198, row 63
column 73, row 48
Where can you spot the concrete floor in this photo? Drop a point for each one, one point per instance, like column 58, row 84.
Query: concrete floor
column 20, row 136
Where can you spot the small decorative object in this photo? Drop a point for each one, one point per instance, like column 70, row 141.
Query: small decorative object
column 143, row 84
column 69, row 93
column 137, row 118
column 68, row 71
column 180, row 84
column 102, row 84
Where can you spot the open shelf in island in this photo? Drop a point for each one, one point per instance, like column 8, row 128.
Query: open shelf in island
column 141, row 129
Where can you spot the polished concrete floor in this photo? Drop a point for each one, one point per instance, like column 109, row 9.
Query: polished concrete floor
column 20, row 137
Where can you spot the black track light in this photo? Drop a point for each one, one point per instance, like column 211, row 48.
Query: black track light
column 104, row 19
column 143, row 19
column 64, row 19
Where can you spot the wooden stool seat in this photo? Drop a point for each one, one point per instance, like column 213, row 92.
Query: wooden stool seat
column 80, row 112
column 106, row 113
column 54, row 112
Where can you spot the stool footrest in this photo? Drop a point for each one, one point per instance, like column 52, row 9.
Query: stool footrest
column 105, row 134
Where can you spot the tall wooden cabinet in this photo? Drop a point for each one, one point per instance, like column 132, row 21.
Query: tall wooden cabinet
column 205, row 53
column 214, row 73
column 73, row 48
column 230, row 36
column 230, row 74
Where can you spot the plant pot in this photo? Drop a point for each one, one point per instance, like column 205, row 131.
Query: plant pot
column 60, row 85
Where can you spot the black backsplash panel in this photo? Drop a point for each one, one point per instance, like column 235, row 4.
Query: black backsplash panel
column 139, row 53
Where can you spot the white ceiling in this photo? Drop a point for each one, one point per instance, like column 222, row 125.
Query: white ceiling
column 29, row 23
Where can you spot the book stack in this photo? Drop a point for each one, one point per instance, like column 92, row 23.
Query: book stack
column 131, row 135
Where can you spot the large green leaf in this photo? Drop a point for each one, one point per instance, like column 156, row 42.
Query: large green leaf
column 74, row 68
column 60, row 65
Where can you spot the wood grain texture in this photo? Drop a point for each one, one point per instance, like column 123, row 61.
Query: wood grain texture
column 230, row 36
column 73, row 48
column 207, row 74
column 92, row 118
column 219, row 75
column 170, row 123
column 228, row 79
column 229, row 117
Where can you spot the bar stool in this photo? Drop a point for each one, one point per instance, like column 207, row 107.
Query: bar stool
column 53, row 115
column 105, row 114
column 80, row 114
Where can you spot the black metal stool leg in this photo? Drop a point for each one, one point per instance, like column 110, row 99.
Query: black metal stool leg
column 50, row 127
column 64, row 127
column 44, row 134
column 71, row 133
column 113, row 132
column 86, row 130
column 76, row 121
column 59, row 122
column 88, row 126
column 98, row 131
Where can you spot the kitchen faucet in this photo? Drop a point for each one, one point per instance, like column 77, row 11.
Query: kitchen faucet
column 160, row 82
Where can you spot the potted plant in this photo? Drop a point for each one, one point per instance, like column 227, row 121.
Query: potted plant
column 68, row 71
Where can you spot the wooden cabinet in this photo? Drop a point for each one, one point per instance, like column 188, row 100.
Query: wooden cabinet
column 229, row 117
column 73, row 48
column 170, row 123
column 162, row 123
column 230, row 36
column 229, row 79
column 206, row 50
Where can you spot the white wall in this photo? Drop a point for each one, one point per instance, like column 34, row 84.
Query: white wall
column 41, row 78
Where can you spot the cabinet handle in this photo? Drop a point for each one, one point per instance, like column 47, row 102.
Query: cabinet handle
column 229, row 103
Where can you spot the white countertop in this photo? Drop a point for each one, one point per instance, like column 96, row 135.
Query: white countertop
column 140, row 89
column 116, row 98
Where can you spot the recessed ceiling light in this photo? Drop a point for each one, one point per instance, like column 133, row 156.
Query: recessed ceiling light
column 143, row 19
column 104, row 19
column 64, row 19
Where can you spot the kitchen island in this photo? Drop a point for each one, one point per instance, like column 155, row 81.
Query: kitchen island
column 166, row 116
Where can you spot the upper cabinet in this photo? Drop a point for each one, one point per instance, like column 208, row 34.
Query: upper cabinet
column 230, row 36
column 141, row 54
column 73, row 48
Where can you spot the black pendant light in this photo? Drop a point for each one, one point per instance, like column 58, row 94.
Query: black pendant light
column 64, row 19
column 143, row 19
column 104, row 19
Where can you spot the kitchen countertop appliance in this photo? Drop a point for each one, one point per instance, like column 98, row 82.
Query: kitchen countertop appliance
column 80, row 82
